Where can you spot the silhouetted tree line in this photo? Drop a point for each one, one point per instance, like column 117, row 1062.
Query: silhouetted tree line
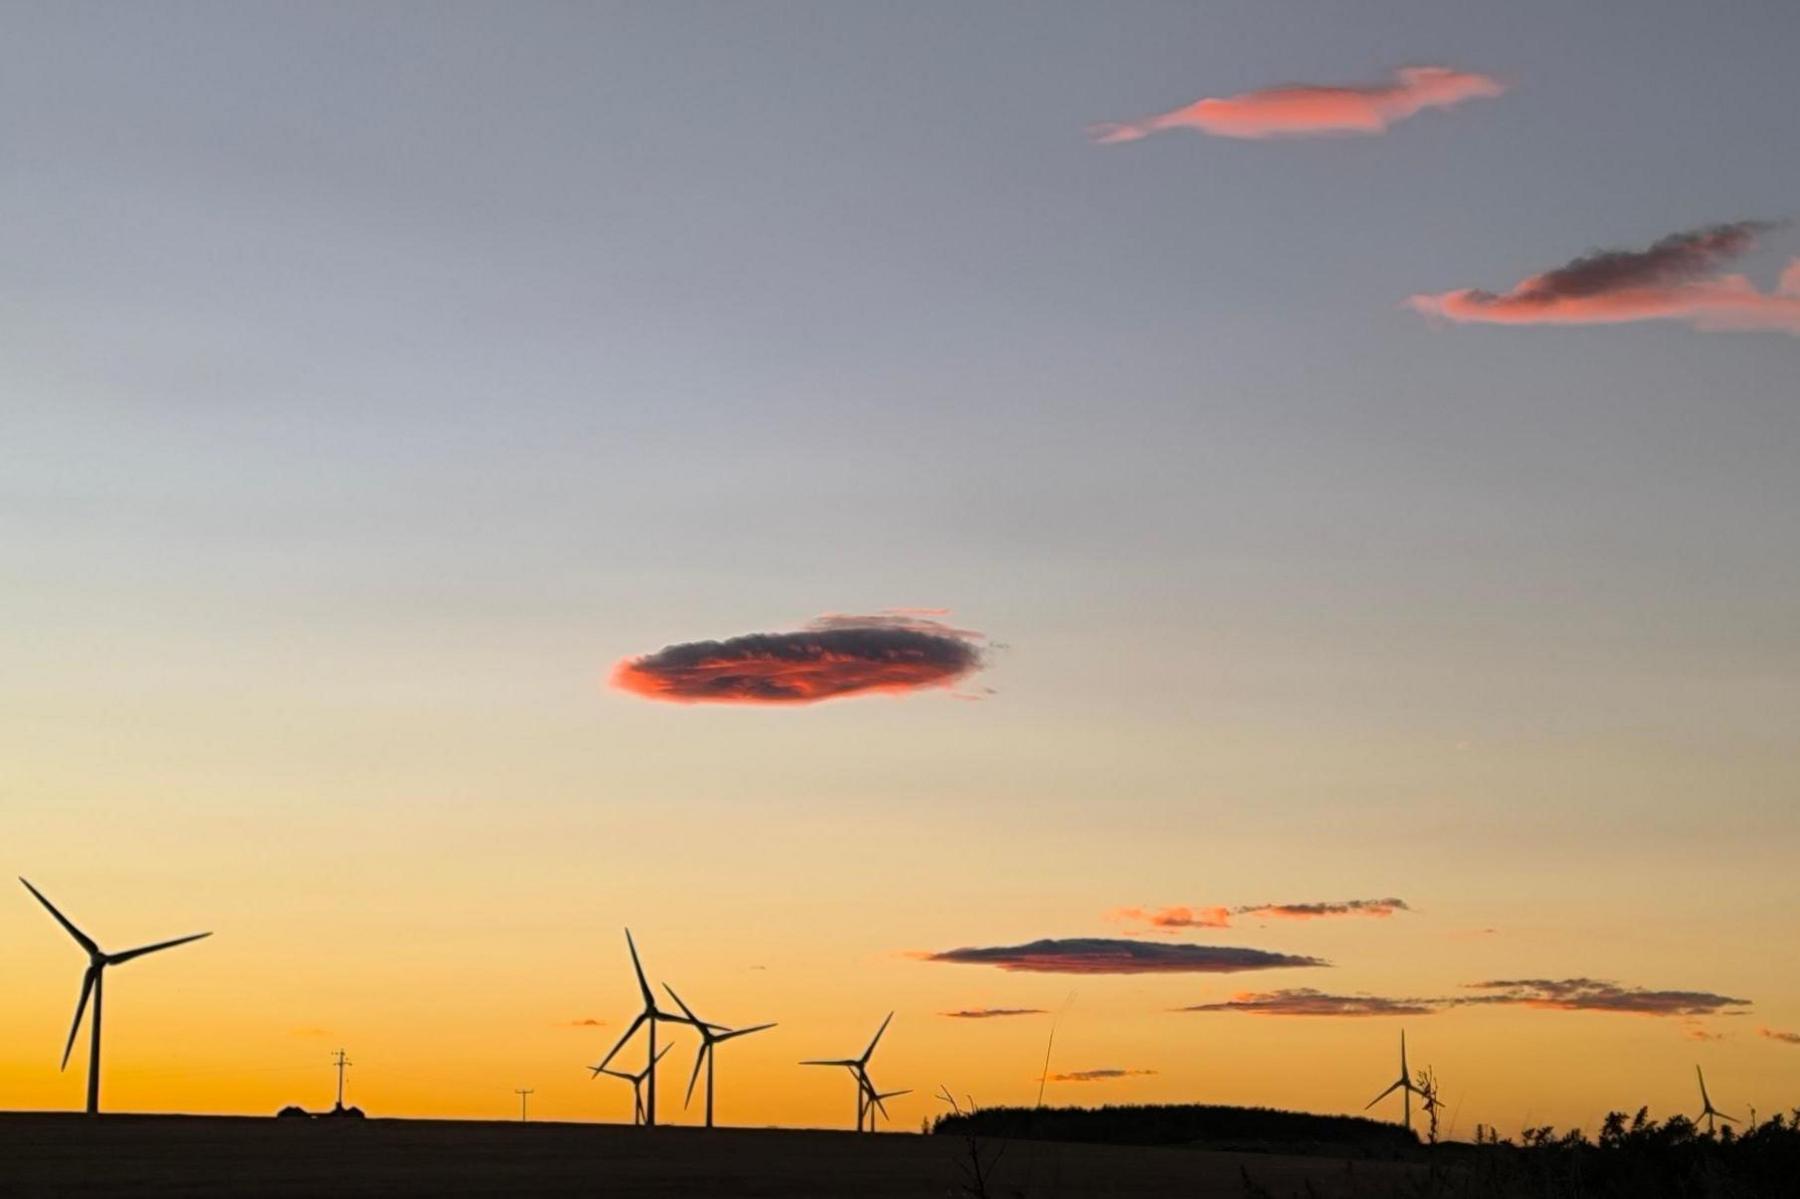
column 1185, row 1124
column 1633, row 1157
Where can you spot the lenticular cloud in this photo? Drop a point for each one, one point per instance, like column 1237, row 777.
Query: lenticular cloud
column 1680, row 278
column 1312, row 110
column 896, row 652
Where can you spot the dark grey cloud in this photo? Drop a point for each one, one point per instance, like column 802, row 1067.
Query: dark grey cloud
column 1105, row 955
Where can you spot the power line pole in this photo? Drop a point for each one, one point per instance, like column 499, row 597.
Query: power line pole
column 524, row 1098
column 341, row 1062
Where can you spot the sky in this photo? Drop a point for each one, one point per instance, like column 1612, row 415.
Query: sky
column 378, row 382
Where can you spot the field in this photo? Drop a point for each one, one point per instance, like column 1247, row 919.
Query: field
column 61, row 1154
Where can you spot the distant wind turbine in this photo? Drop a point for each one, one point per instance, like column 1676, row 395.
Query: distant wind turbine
column 710, row 1035
column 1706, row 1108
column 1403, row 1084
column 859, row 1067
column 92, row 983
column 636, row 1081
column 651, row 1015
column 874, row 1100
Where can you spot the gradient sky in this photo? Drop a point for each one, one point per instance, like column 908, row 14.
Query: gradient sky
column 374, row 378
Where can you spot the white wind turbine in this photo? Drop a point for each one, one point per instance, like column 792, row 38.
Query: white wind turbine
column 93, row 984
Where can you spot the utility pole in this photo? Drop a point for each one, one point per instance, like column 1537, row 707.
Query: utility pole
column 524, row 1098
column 341, row 1062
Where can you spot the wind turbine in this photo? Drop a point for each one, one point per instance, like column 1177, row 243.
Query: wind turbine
column 710, row 1035
column 651, row 1015
column 1706, row 1107
column 874, row 1099
column 637, row 1083
column 1404, row 1084
column 859, row 1066
column 92, row 983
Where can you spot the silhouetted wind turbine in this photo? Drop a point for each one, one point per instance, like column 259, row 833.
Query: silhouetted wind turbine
column 858, row 1066
column 651, row 1015
column 710, row 1035
column 636, row 1081
column 1706, row 1107
column 92, row 983
column 1404, row 1084
column 875, row 1101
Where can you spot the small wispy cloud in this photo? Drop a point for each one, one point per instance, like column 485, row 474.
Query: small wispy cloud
column 1776, row 1034
column 585, row 1022
column 1102, row 1075
column 1304, row 1001
column 1106, row 955
column 1695, row 1031
column 1312, row 110
column 1679, row 278
column 1600, row 995
column 893, row 652
column 990, row 1013
column 1177, row 917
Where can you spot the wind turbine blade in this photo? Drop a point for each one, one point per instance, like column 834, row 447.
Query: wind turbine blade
column 635, row 1024
column 664, row 1052
column 115, row 958
column 81, row 938
column 1392, row 1087
column 875, row 1098
column 870, row 1051
column 643, row 983
column 700, row 1025
column 1403, row 1070
column 838, row 1062
column 699, row 1060
column 742, row 1032
column 87, row 987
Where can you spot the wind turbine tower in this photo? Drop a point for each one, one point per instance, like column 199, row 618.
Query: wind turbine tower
column 93, row 985
column 1403, row 1084
column 524, row 1098
column 710, row 1036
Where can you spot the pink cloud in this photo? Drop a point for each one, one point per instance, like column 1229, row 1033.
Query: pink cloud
column 1677, row 278
column 1312, row 110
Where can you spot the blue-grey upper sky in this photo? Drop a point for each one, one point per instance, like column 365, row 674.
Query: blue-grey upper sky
column 373, row 377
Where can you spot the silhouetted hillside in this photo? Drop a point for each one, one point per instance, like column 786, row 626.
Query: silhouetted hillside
column 1210, row 1127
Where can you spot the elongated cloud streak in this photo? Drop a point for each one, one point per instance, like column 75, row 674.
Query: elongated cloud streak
column 991, row 1013
column 1101, row 1075
column 1776, row 1034
column 1102, row 955
column 1379, row 908
column 1599, row 995
column 1312, row 110
column 1304, row 1001
column 1173, row 919
column 894, row 652
column 1678, row 278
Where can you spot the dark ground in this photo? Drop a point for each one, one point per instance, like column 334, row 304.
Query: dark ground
column 64, row 1154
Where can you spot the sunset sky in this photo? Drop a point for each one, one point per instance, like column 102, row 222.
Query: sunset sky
column 1279, row 508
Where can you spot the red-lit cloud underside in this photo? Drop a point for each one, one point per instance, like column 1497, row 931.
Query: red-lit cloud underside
column 1104, row 955
column 832, row 657
column 1560, row 994
column 1104, row 1074
column 1312, row 110
column 1679, row 278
